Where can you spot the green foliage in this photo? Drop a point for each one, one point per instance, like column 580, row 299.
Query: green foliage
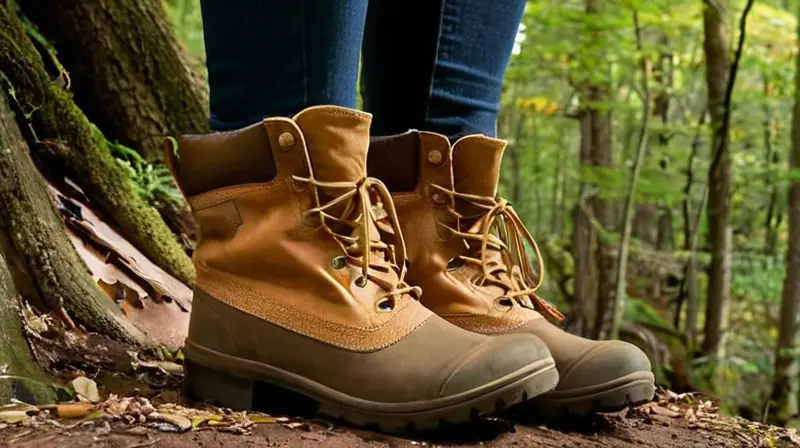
column 147, row 179
column 188, row 22
column 562, row 51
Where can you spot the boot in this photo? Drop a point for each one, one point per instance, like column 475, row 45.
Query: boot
column 296, row 289
column 465, row 249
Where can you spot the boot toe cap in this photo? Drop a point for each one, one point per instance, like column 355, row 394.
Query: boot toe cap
column 494, row 359
column 605, row 362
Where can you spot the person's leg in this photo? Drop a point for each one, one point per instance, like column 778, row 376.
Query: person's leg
column 437, row 65
column 276, row 57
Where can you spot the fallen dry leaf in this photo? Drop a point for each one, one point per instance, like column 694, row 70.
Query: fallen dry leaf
column 151, row 299
column 86, row 388
column 181, row 422
column 664, row 411
column 164, row 366
column 14, row 416
column 74, row 410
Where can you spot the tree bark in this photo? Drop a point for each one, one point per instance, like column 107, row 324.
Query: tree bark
column 689, row 287
column 33, row 232
column 20, row 375
column 773, row 219
column 785, row 384
column 645, row 224
column 620, row 294
column 130, row 74
column 601, row 156
column 83, row 153
column 557, row 216
column 665, row 234
column 717, row 51
column 584, row 239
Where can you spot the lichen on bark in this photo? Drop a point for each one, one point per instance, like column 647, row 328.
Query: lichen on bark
column 20, row 375
column 84, row 156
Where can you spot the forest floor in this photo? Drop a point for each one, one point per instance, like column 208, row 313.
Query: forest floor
column 680, row 421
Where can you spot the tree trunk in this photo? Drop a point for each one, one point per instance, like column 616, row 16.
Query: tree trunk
column 84, row 154
column 516, row 164
column 785, row 384
column 598, row 129
column 585, row 278
column 620, row 293
column 772, row 160
column 645, row 224
column 717, row 51
column 33, row 233
column 557, row 217
column 131, row 76
column 665, row 239
column 21, row 377
column 666, row 234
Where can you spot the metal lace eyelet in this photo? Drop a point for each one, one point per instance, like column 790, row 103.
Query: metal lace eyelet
column 361, row 281
column 310, row 220
column 454, row 264
column 385, row 305
column 439, row 198
column 503, row 303
column 338, row 262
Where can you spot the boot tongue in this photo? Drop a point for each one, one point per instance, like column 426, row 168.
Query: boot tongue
column 337, row 139
column 476, row 171
column 476, row 165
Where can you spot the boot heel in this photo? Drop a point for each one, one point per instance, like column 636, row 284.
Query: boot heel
column 202, row 384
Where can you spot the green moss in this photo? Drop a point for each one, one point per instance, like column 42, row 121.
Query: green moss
column 20, row 375
column 86, row 159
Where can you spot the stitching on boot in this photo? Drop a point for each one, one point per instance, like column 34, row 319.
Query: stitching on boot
column 220, row 221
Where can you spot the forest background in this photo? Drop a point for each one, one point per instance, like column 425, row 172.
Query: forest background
column 654, row 153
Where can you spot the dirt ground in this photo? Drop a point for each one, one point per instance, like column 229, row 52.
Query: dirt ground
column 632, row 428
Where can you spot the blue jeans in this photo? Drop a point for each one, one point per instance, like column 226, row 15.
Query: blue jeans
column 434, row 65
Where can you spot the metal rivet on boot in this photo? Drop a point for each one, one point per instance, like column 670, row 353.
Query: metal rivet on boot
column 435, row 157
column 286, row 141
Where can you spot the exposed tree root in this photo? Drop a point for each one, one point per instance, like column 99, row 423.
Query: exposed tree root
column 34, row 234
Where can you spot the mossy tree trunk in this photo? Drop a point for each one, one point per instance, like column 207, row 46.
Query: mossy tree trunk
column 132, row 78
column 130, row 75
column 20, row 375
column 84, row 154
column 33, row 235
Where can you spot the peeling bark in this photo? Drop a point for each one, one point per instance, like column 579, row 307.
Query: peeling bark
column 70, row 138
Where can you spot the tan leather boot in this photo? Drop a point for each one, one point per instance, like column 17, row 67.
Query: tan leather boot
column 465, row 249
column 296, row 289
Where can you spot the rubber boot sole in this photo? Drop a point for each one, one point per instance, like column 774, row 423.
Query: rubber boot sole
column 631, row 390
column 246, row 390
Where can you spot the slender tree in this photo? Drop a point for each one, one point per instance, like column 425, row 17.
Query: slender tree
column 785, row 384
column 641, row 149
column 717, row 50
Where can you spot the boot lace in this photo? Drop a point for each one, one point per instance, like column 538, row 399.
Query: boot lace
column 348, row 217
column 486, row 249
